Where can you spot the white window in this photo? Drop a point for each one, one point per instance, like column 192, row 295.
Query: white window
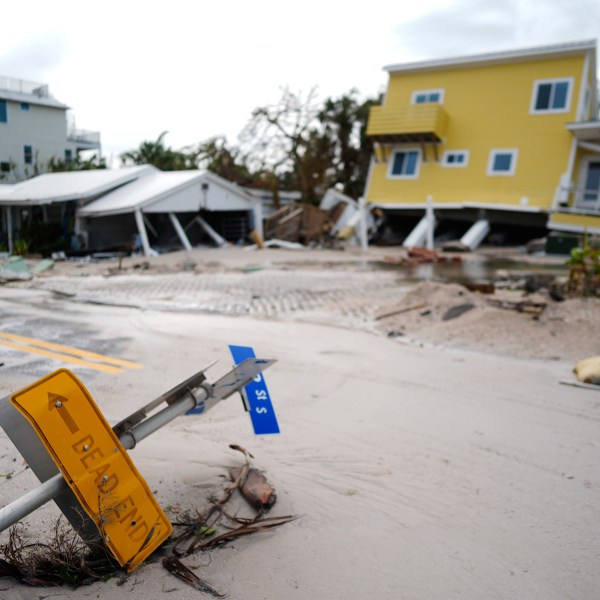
column 502, row 161
column 405, row 164
column 455, row 158
column 551, row 95
column 427, row 96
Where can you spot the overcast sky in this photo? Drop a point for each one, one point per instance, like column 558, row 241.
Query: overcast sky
column 132, row 69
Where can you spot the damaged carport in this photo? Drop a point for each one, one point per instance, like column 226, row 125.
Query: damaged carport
column 163, row 206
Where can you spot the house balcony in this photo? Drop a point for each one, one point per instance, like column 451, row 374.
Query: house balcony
column 22, row 86
column 84, row 139
column 418, row 123
column 585, row 131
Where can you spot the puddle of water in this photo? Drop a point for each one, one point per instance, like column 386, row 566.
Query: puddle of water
column 474, row 270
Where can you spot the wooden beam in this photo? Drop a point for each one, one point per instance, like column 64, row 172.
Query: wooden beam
column 423, row 147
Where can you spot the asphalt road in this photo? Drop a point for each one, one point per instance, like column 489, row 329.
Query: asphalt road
column 434, row 473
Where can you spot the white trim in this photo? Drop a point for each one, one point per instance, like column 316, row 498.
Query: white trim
column 459, row 205
column 553, row 51
column 572, row 228
column 514, row 152
column 369, row 176
column 416, row 205
column 455, row 165
column 505, row 207
column 590, row 147
column 550, row 111
column 415, row 175
column 439, row 91
column 582, row 114
column 579, row 202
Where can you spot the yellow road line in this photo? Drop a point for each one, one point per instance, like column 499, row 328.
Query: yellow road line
column 129, row 364
column 64, row 357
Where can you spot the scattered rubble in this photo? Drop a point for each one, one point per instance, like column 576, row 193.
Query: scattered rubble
column 418, row 256
column 508, row 322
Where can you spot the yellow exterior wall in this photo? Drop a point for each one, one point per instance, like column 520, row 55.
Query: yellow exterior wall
column 574, row 222
column 488, row 107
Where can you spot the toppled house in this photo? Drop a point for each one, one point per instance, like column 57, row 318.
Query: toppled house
column 508, row 138
column 174, row 207
column 133, row 208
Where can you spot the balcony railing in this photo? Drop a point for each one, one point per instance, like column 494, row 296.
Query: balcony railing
column 21, row 86
column 415, row 123
column 578, row 200
column 83, row 136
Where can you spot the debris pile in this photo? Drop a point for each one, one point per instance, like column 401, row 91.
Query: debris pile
column 418, row 256
column 509, row 322
column 301, row 223
column 67, row 560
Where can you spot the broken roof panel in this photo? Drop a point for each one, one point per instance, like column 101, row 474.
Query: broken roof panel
column 71, row 185
column 148, row 190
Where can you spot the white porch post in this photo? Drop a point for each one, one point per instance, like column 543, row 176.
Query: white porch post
column 362, row 209
column 139, row 219
column 257, row 210
column 9, row 229
column 430, row 222
column 180, row 232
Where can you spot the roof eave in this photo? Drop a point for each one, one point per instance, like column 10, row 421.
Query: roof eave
column 541, row 52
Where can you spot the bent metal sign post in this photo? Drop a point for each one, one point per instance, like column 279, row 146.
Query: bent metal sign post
column 95, row 465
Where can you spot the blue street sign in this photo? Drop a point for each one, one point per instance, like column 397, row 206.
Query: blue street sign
column 261, row 409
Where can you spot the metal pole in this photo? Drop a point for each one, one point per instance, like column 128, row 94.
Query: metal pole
column 136, row 434
column 20, row 508
column 53, row 487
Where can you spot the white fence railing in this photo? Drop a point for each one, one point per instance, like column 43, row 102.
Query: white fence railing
column 22, row 86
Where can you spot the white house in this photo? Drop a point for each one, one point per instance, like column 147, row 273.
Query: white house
column 34, row 128
column 118, row 209
column 172, row 204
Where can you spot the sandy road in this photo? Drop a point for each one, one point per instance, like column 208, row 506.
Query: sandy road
column 418, row 473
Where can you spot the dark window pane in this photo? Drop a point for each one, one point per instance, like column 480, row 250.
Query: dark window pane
column 3, row 115
column 398, row 163
column 560, row 95
column 4, row 167
column 543, row 96
column 421, row 99
column 451, row 158
column 411, row 163
column 27, row 154
column 460, row 158
column 24, row 105
column 592, row 182
column 502, row 162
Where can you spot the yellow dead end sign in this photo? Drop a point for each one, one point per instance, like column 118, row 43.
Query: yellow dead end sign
column 95, row 465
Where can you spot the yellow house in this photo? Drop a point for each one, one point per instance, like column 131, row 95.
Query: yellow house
column 505, row 138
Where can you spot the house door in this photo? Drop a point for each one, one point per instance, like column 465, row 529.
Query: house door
column 589, row 197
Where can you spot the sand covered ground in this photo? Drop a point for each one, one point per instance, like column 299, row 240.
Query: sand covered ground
column 425, row 458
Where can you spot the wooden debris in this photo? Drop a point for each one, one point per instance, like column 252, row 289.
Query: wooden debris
column 523, row 306
column 200, row 532
column 298, row 223
column 399, row 311
column 177, row 568
column 418, row 256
